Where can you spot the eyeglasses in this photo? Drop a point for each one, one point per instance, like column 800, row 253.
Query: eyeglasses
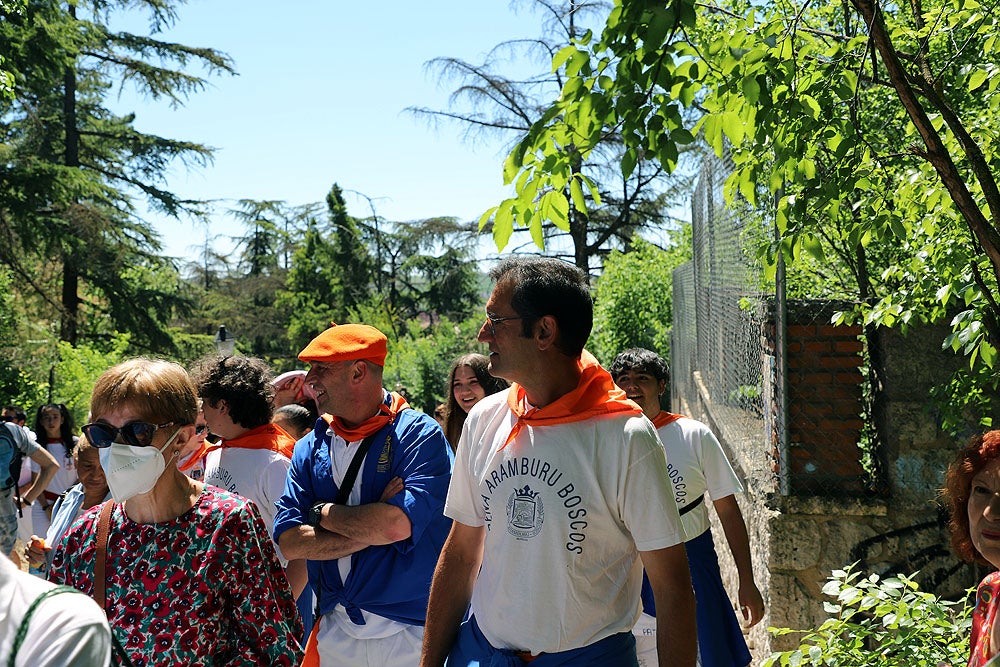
column 493, row 321
column 136, row 433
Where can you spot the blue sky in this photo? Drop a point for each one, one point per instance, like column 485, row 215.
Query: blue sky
column 320, row 97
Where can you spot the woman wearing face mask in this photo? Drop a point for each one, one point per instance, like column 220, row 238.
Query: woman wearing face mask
column 468, row 383
column 190, row 573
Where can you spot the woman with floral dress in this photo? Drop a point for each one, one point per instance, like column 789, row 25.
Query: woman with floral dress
column 192, row 577
column 973, row 487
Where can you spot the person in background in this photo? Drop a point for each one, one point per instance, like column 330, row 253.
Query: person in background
column 190, row 574
column 191, row 462
column 289, row 388
column 54, row 431
column 972, row 487
column 560, row 489
column 295, row 420
column 17, row 415
column 298, row 422
column 440, row 415
column 371, row 541
column 696, row 465
column 13, row 440
column 44, row 626
column 92, row 490
column 253, row 455
column 469, row 382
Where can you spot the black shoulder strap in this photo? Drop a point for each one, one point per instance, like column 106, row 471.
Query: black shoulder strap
column 352, row 470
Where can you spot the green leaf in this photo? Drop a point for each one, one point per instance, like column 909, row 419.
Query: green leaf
column 554, row 207
column 561, row 56
column 629, row 161
column 751, row 89
column 732, row 125
column 576, row 193
column 976, row 79
column 503, row 224
column 484, row 219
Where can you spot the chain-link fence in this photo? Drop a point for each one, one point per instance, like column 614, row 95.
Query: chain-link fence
column 781, row 386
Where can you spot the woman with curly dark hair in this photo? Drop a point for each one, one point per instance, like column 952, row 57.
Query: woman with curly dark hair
column 469, row 382
column 54, row 432
column 973, row 487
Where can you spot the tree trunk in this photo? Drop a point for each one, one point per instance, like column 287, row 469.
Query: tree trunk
column 71, row 275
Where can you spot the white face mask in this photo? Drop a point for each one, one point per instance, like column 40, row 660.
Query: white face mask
column 131, row 470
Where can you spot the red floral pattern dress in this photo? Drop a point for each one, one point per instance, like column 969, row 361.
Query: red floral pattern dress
column 203, row 589
column 983, row 617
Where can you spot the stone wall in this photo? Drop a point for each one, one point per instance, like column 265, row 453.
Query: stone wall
column 798, row 539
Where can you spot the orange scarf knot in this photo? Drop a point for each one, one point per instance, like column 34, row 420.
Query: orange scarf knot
column 596, row 394
column 387, row 411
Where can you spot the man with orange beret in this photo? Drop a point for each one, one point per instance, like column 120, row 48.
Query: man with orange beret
column 363, row 504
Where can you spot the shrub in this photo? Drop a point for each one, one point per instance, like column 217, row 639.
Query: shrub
column 878, row 622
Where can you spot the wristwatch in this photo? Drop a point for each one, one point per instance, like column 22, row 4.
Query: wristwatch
column 316, row 513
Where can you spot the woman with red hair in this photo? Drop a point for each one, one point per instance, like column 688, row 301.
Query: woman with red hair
column 973, row 487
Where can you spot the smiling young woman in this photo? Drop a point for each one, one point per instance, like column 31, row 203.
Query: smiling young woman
column 468, row 383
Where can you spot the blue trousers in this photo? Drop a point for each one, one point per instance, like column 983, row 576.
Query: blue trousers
column 473, row 650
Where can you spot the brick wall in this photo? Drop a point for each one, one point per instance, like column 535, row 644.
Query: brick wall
column 824, row 407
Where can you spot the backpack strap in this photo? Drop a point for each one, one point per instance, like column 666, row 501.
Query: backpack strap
column 22, row 629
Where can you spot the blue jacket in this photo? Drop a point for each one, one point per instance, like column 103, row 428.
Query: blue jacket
column 391, row 580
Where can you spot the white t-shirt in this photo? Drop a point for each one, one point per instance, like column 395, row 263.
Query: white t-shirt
column 696, row 464
column 66, row 630
column 256, row 474
column 375, row 627
column 566, row 507
column 65, row 477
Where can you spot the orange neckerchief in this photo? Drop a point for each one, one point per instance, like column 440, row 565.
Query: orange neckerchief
column 268, row 436
column 596, row 394
column 387, row 412
column 664, row 418
column 205, row 448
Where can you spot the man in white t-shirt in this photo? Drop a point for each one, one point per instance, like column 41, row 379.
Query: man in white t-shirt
column 560, row 489
column 253, row 456
column 65, row 629
column 696, row 465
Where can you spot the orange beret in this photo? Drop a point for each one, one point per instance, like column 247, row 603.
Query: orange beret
column 347, row 342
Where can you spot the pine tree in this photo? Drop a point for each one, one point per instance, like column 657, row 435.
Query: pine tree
column 71, row 169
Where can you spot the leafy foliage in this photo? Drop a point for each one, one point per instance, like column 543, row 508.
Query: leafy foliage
column 634, row 296
column 878, row 622
column 873, row 126
column 615, row 205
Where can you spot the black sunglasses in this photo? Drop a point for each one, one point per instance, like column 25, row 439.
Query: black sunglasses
column 136, row 433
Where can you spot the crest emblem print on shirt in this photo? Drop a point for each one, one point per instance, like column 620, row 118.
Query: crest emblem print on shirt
column 525, row 513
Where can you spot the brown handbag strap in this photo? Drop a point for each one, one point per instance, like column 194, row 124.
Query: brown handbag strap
column 100, row 574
